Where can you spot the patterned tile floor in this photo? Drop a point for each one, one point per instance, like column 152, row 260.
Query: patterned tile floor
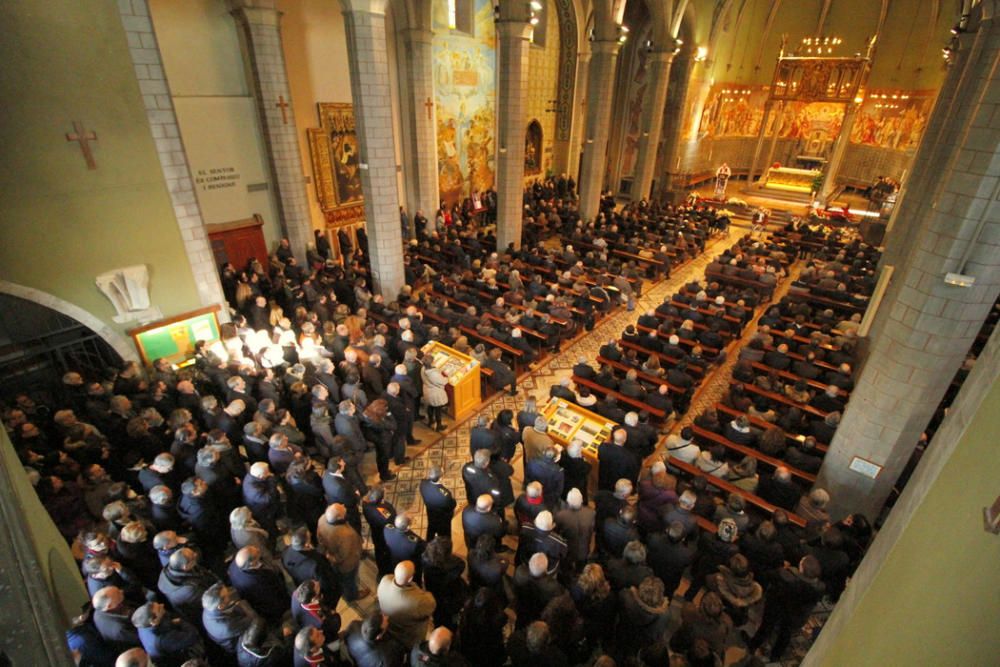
column 450, row 450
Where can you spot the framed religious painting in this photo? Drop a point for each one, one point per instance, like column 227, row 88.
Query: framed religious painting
column 333, row 148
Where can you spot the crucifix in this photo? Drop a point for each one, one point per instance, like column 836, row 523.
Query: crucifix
column 429, row 105
column 83, row 137
column 283, row 105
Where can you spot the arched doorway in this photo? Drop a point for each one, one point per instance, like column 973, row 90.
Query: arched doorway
column 39, row 344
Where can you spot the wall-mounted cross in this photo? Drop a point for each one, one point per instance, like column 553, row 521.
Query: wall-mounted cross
column 429, row 105
column 283, row 105
column 83, row 137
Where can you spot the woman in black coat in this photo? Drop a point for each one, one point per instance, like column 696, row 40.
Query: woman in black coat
column 379, row 427
column 507, row 435
column 443, row 578
column 480, row 631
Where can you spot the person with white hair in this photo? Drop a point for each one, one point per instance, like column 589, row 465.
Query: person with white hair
column 616, row 461
column 812, row 507
column 409, row 608
column 113, row 619
column 576, row 522
column 534, row 587
column 167, row 639
column 540, row 536
column 263, row 496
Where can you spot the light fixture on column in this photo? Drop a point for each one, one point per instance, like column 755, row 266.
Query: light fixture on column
column 701, row 54
column 678, row 43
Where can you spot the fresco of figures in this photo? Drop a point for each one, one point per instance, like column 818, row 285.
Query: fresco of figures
column 464, row 67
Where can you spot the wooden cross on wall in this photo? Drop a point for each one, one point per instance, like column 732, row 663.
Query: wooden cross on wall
column 283, row 105
column 429, row 105
column 83, row 137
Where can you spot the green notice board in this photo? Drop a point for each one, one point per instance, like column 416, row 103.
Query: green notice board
column 173, row 339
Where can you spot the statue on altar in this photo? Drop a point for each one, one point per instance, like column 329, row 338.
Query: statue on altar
column 721, row 181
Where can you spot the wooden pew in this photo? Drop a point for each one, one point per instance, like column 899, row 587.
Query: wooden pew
column 793, row 439
column 646, row 377
column 727, row 487
column 672, row 361
column 655, row 413
column 773, row 396
column 714, row 438
column 788, row 375
column 683, row 341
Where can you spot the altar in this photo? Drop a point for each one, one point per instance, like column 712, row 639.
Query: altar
column 464, row 392
column 789, row 179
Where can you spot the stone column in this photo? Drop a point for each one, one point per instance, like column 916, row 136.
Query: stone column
column 837, row 154
column 774, row 138
column 369, row 65
column 673, row 125
column 420, row 136
column 260, row 31
column 580, row 120
column 768, row 106
column 925, row 327
column 652, row 123
column 513, row 34
column 604, row 57
column 148, row 63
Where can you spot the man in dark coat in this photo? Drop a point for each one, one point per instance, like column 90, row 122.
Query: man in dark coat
column 379, row 514
column 183, row 581
column 546, row 470
column 480, row 519
column 304, row 563
column 669, row 555
column 226, row 617
column 403, row 543
column 439, row 503
column 615, row 461
column 338, row 489
column 260, row 583
column 113, row 618
column 779, row 489
column 790, row 599
column 167, row 640
column 369, row 644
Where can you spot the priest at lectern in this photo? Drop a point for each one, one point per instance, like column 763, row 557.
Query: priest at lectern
column 721, row 180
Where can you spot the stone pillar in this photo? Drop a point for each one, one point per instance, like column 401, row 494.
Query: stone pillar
column 512, row 60
column 837, row 154
column 924, row 327
column 420, row 136
column 673, row 124
column 369, row 65
column 768, row 106
column 774, row 138
column 260, row 31
column 652, row 123
column 148, row 63
column 604, row 57
column 580, row 121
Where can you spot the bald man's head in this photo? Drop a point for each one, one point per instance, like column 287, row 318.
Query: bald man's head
column 439, row 642
column 403, row 573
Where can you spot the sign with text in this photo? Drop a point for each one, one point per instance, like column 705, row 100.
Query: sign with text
column 865, row 467
column 216, row 178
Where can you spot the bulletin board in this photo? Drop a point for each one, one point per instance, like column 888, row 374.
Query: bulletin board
column 174, row 338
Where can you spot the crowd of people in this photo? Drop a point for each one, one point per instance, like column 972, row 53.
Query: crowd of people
column 221, row 511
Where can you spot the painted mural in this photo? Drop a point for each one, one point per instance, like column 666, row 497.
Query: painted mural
column 893, row 118
column 464, row 67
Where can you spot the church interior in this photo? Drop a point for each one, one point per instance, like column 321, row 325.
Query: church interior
column 465, row 332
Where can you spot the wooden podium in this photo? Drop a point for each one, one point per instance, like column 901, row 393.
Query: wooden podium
column 462, row 371
column 568, row 422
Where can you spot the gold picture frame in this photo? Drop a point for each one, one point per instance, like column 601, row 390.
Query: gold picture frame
column 333, row 148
